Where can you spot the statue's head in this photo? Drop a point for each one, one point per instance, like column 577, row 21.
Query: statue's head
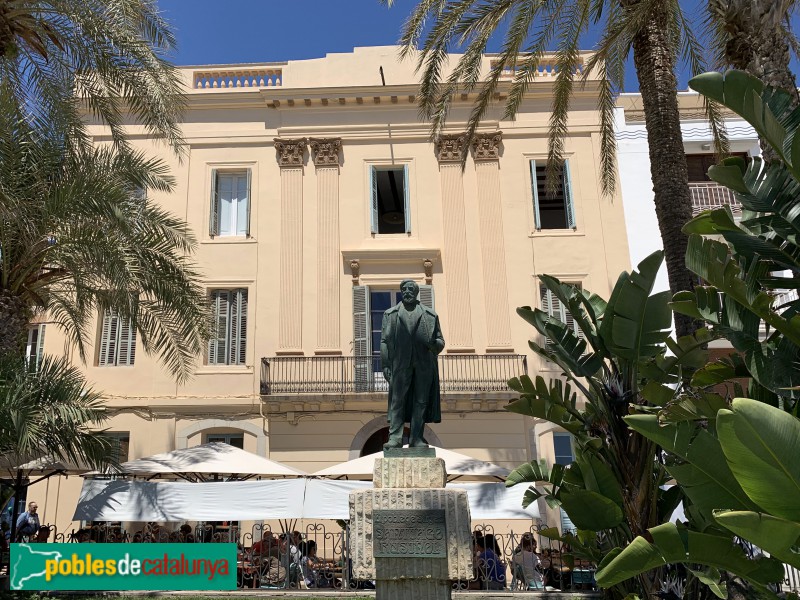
column 410, row 290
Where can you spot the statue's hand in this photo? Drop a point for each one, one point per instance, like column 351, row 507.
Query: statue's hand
column 387, row 374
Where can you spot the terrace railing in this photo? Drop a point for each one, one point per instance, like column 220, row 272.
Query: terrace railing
column 707, row 195
column 282, row 375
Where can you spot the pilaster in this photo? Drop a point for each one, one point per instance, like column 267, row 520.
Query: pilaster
column 450, row 150
column 325, row 153
column 486, row 153
column 290, row 159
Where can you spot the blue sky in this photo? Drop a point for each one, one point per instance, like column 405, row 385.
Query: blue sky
column 235, row 31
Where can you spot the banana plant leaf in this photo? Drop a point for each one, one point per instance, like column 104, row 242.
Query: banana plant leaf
column 673, row 544
column 779, row 537
column 760, row 444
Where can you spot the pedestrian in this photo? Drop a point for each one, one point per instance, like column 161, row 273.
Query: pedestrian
column 28, row 522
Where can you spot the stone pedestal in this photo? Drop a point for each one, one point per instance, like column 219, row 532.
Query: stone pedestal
column 410, row 534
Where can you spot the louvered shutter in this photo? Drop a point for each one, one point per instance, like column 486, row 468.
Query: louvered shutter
column 569, row 205
column 40, row 346
column 548, row 306
column 362, row 352
column 426, row 295
column 109, row 339
column 218, row 344
column 249, row 206
column 373, row 190
column 406, row 200
column 127, row 342
column 238, row 328
column 213, row 218
column 535, row 189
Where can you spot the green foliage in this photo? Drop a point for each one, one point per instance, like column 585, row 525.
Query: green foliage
column 747, row 296
column 77, row 238
column 50, row 413
column 112, row 53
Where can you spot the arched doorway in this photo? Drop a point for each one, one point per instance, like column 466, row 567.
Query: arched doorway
column 374, row 434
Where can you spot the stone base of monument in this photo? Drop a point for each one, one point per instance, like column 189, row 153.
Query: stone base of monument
column 410, row 534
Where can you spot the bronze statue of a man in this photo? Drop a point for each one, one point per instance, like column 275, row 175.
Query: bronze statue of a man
column 411, row 339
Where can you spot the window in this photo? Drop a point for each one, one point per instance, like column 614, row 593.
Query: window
column 556, row 309
column 389, row 197
column 228, row 343
column 555, row 211
column 699, row 164
column 368, row 307
column 232, row 439
column 34, row 346
column 120, row 444
column 230, row 203
column 117, row 341
column 562, row 449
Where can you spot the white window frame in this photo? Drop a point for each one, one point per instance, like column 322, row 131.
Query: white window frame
column 373, row 196
column 117, row 341
column 34, row 347
column 226, row 438
column 235, row 228
column 569, row 200
column 228, row 342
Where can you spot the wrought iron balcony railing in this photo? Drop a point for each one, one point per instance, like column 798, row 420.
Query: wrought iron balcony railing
column 362, row 374
column 707, row 195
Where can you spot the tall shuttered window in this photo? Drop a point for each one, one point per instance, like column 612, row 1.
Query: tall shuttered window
column 117, row 341
column 34, row 348
column 562, row 450
column 389, row 199
column 369, row 305
column 556, row 309
column 552, row 211
column 228, row 343
column 230, row 203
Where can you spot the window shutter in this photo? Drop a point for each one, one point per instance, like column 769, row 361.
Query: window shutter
column 249, row 206
column 40, row 346
column 238, row 328
column 127, row 342
column 373, row 186
column 569, row 205
column 425, row 295
column 362, row 352
column 213, row 219
column 407, row 206
column 537, row 223
column 217, row 345
column 109, row 339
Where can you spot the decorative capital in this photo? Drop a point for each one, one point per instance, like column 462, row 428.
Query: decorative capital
column 486, row 146
column 290, row 152
column 450, row 148
column 355, row 270
column 325, row 151
column 427, row 264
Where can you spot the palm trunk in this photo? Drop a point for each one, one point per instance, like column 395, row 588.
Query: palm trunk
column 654, row 58
column 14, row 318
column 757, row 44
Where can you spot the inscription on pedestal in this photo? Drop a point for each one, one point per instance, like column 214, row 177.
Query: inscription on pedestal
column 409, row 534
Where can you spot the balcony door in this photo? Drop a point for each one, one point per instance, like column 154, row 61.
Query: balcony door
column 369, row 305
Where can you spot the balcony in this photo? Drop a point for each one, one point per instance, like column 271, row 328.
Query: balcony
column 707, row 195
column 458, row 373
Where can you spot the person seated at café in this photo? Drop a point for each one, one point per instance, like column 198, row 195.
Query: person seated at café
column 43, row 535
column 313, row 567
column 491, row 570
column 266, row 546
column 527, row 561
column 186, row 534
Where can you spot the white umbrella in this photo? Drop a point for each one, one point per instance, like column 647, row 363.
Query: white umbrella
column 458, row 466
column 215, row 458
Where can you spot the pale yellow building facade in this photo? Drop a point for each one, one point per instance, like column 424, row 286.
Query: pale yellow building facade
column 313, row 189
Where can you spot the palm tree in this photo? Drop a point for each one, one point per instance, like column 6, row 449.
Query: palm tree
column 48, row 413
column 78, row 236
column 654, row 30
column 755, row 36
column 111, row 53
